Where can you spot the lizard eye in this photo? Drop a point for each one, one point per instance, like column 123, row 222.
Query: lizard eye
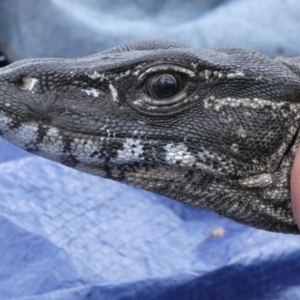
column 161, row 86
column 163, row 89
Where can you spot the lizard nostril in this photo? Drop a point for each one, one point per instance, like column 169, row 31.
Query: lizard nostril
column 26, row 83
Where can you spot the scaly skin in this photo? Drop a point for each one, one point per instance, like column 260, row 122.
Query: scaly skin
column 216, row 129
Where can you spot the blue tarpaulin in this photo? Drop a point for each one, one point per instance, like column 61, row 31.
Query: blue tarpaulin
column 68, row 235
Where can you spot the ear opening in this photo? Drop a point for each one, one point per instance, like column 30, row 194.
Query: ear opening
column 292, row 63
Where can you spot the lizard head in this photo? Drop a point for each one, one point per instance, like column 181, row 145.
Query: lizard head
column 217, row 129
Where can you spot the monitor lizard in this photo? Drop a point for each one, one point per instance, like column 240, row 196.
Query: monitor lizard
column 217, row 128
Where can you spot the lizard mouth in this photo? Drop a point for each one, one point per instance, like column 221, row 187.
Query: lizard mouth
column 87, row 151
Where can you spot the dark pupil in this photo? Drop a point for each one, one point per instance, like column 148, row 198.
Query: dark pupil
column 165, row 86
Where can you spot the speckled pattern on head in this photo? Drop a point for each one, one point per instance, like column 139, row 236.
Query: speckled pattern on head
column 216, row 129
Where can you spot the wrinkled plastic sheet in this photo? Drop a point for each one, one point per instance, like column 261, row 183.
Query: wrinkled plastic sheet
column 68, row 235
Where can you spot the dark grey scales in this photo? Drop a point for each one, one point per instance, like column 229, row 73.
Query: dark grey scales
column 217, row 129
